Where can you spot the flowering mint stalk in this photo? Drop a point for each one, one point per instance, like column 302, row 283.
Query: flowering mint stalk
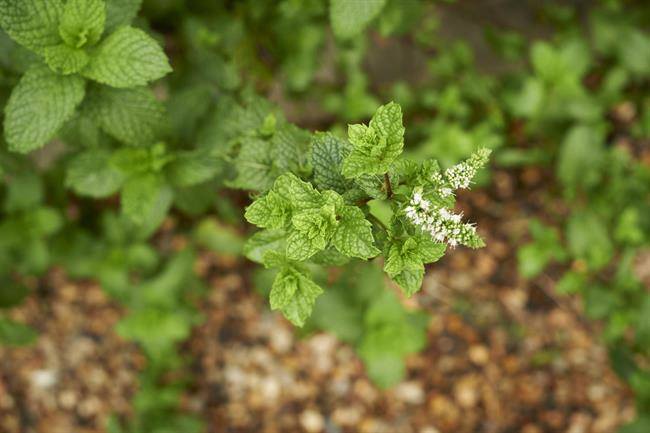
column 324, row 217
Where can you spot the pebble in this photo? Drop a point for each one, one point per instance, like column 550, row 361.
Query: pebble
column 479, row 354
column 43, row 379
column 410, row 392
column 466, row 391
column 347, row 416
column 312, row 421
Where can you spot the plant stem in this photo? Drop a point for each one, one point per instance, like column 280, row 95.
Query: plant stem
column 389, row 188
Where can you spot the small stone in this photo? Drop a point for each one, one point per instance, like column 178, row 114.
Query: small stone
column 479, row 354
column 281, row 339
column 347, row 416
column 68, row 399
column 445, row 412
column 312, row 421
column 466, row 391
column 270, row 388
column 43, row 378
column 410, row 392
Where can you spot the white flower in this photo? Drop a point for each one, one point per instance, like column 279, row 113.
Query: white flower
column 446, row 192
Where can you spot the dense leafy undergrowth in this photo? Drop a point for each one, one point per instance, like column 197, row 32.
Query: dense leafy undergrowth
column 114, row 120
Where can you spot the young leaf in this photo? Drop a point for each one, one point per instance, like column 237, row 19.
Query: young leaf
column 377, row 145
column 353, row 236
column 301, row 194
column 132, row 116
column 82, row 22
column 294, row 293
column 127, row 58
column 271, row 211
column 32, row 23
column 65, row 60
column 350, row 17
column 39, row 105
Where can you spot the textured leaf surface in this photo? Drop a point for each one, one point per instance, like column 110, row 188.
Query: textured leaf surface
column 132, row 116
column 300, row 247
column 32, row 23
column 327, row 157
column 294, row 294
column 377, row 145
column 271, row 211
column 127, row 58
column 39, row 105
column 91, row 174
column 410, row 281
column 301, row 194
column 82, row 22
column 350, row 17
column 65, row 60
column 353, row 236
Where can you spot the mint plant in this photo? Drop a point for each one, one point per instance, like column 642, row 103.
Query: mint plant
column 325, row 219
column 75, row 42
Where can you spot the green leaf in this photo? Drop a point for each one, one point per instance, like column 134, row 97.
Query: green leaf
column 410, row 281
column 350, row 17
column 263, row 241
column 546, row 246
column 146, row 198
column 254, row 165
column 412, row 253
column 327, row 157
column 32, row 23
column 299, row 193
column 294, row 293
column 300, row 247
column 65, row 60
column 271, row 211
column 156, row 329
column 24, row 191
column 588, row 239
column 353, row 236
column 39, row 105
column 91, row 174
column 192, row 168
column 260, row 161
column 377, row 145
column 581, row 156
column 120, row 13
column 132, row 116
column 82, row 22
column 127, row 58
column 16, row 334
